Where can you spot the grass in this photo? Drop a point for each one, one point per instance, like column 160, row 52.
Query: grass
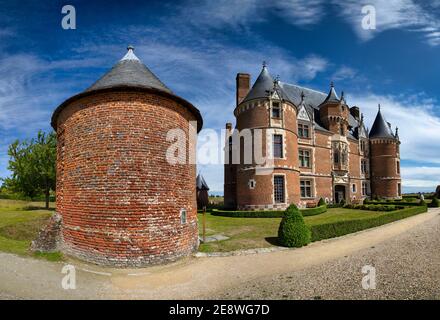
column 247, row 233
column 20, row 222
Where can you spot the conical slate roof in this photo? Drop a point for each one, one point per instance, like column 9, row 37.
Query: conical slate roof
column 332, row 95
column 263, row 86
column 201, row 183
column 380, row 128
column 130, row 72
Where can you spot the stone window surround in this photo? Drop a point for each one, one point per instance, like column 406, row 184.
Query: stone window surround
column 286, row 198
column 312, row 188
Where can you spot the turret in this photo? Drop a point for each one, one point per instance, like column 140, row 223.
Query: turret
column 334, row 112
column 265, row 134
column 385, row 160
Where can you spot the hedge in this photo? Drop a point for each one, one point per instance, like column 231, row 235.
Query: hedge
column 265, row 214
column 397, row 203
column 313, row 211
column 340, row 228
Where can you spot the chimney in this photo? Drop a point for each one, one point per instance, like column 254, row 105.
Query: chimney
column 355, row 112
column 243, row 85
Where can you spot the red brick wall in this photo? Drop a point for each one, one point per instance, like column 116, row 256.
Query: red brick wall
column 119, row 199
column 384, row 176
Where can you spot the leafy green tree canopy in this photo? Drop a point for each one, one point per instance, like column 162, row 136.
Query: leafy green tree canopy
column 32, row 163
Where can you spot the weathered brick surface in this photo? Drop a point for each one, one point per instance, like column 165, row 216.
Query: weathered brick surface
column 385, row 178
column 119, row 198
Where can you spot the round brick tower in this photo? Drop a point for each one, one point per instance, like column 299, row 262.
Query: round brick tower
column 385, row 160
column 121, row 202
column 273, row 184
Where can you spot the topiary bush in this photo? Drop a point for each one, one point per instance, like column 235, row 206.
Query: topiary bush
column 435, row 203
column 321, row 202
column 422, row 203
column 293, row 232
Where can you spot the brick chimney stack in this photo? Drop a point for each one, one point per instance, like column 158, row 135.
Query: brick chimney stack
column 243, row 81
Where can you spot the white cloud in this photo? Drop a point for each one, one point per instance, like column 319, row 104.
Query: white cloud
column 419, row 126
column 300, row 12
column 344, row 73
column 421, row 177
column 392, row 14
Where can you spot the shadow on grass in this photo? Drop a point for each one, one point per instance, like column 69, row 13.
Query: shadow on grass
column 32, row 208
column 273, row 241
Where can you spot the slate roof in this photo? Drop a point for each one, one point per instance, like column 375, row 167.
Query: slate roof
column 292, row 92
column 380, row 128
column 201, row 183
column 264, row 86
column 130, row 74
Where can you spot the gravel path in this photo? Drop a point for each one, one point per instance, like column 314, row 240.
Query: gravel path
column 405, row 253
column 407, row 267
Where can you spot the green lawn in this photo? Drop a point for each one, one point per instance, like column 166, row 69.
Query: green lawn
column 20, row 222
column 248, row 233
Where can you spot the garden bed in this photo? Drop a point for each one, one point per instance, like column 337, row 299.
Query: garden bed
column 245, row 233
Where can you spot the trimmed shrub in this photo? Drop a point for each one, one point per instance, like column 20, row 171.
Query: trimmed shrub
column 340, row 228
column 265, row 214
column 293, row 232
column 422, row 203
column 313, row 211
column 342, row 202
column 435, row 203
column 321, row 202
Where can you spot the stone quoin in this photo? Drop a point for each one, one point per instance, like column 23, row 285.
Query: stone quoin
column 318, row 147
column 120, row 202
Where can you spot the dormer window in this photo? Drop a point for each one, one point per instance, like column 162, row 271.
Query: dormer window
column 276, row 110
column 303, row 130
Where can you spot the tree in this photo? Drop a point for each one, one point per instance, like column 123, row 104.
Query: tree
column 32, row 164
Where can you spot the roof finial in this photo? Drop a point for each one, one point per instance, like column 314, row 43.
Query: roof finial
column 130, row 54
column 397, row 131
column 264, row 64
column 332, row 84
column 302, row 96
column 379, row 106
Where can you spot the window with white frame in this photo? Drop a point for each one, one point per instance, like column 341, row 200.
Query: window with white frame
column 364, row 166
column 277, row 145
column 364, row 188
column 278, row 189
column 304, row 158
column 303, row 130
column 276, row 110
column 306, row 188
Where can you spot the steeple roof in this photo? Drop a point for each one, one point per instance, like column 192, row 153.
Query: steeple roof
column 332, row 95
column 264, row 86
column 129, row 72
column 201, row 183
column 380, row 128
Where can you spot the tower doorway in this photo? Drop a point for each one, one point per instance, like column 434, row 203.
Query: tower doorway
column 339, row 193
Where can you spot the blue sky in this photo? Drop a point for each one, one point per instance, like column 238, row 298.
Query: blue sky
column 197, row 47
